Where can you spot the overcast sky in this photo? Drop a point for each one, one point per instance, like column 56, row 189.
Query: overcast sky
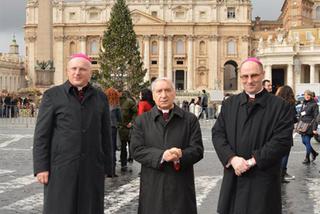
column 12, row 18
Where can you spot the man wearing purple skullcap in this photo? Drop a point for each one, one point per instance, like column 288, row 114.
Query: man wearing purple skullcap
column 72, row 143
column 251, row 135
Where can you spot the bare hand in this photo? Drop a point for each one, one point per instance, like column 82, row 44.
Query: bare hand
column 315, row 132
column 129, row 125
column 169, row 156
column 43, row 177
column 239, row 165
column 176, row 151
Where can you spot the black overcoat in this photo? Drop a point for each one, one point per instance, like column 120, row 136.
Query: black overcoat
column 262, row 129
column 162, row 188
column 72, row 141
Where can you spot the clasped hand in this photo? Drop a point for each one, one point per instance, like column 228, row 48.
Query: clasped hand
column 173, row 154
column 240, row 165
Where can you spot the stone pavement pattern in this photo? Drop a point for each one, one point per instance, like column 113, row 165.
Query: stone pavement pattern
column 20, row 194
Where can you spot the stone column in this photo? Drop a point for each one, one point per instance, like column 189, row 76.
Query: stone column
column 290, row 75
column 213, row 60
column 312, row 73
column 59, row 60
column 83, row 44
column 268, row 72
column 146, row 59
column 31, row 60
column 190, row 63
column 317, row 75
column 169, row 57
column 161, row 56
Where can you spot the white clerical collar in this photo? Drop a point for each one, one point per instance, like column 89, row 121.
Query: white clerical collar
column 253, row 95
column 164, row 110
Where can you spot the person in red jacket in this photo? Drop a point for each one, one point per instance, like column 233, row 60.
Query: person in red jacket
column 146, row 102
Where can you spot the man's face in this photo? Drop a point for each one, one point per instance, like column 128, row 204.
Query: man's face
column 251, row 76
column 79, row 72
column 164, row 94
column 268, row 86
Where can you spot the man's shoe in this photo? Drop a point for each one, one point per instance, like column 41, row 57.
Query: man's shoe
column 284, row 181
column 112, row 176
column 288, row 177
column 124, row 168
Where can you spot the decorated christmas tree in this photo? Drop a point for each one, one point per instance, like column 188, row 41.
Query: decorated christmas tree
column 120, row 60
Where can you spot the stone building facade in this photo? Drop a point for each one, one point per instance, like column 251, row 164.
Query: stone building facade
column 199, row 44
column 196, row 43
column 12, row 72
column 290, row 47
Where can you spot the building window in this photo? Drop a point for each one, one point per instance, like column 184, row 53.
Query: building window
column 180, row 14
column 309, row 36
column 202, row 48
column 154, row 48
column 94, row 16
column 179, row 74
column 231, row 48
column 179, row 62
column 154, row 62
column 94, row 50
column 154, row 13
column 231, row 13
column 180, row 47
column 72, row 48
column 318, row 12
column 72, row 15
column 202, row 14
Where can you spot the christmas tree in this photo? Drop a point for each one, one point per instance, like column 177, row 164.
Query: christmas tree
column 120, row 60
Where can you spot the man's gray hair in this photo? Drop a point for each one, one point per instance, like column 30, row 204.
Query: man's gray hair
column 153, row 84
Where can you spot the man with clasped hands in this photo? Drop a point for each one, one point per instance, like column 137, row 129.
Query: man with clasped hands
column 167, row 142
column 251, row 135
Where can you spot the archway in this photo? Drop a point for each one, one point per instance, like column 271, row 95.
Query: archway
column 230, row 75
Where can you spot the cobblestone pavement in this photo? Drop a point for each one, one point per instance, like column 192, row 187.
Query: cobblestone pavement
column 20, row 194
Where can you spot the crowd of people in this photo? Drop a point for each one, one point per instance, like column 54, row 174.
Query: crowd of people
column 80, row 128
column 12, row 105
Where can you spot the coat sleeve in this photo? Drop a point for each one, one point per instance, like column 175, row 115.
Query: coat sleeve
column 194, row 151
column 146, row 155
column 106, row 138
column 43, row 135
column 280, row 142
column 219, row 139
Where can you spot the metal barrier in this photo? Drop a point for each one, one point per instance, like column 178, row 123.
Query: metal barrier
column 11, row 117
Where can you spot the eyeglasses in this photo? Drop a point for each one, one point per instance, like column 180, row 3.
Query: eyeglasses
column 252, row 76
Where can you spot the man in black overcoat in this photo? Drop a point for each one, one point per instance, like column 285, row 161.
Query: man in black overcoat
column 167, row 142
column 251, row 135
column 72, row 143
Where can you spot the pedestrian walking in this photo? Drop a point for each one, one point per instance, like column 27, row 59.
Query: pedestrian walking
column 308, row 114
column 72, row 143
column 267, row 85
column 128, row 113
column 204, row 104
column 287, row 94
column 115, row 115
column 146, row 101
column 167, row 142
column 251, row 135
